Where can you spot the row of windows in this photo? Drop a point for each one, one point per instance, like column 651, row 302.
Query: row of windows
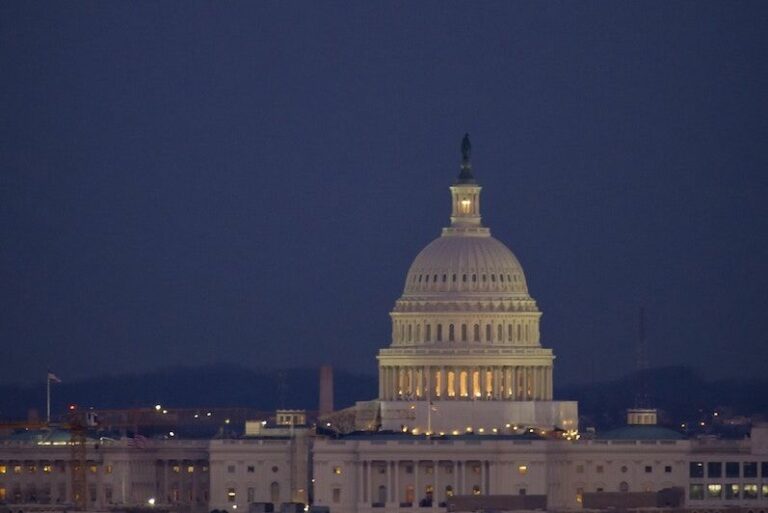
column 599, row 469
column 716, row 491
column 425, row 278
column 411, row 332
column 48, row 469
column 43, row 494
column 728, row 469
column 249, row 468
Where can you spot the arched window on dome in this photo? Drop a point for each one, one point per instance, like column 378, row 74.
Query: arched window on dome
column 509, row 333
column 410, row 333
column 418, row 333
column 476, row 333
column 464, row 277
column 519, row 333
column 445, row 278
column 451, row 333
column 426, row 278
column 420, row 278
column 454, row 278
column 488, row 332
column 439, row 332
column 501, row 278
column 526, row 332
column 463, row 332
column 463, row 391
column 474, row 277
column 509, row 277
column 499, row 333
column 493, row 278
column 434, row 279
column 483, row 278
column 428, row 335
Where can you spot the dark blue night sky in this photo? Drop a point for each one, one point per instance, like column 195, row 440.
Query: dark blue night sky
column 248, row 182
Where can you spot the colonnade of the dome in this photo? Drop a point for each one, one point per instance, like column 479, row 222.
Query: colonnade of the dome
column 461, row 382
column 501, row 330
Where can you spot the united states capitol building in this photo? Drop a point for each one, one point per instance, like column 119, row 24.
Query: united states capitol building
column 465, row 420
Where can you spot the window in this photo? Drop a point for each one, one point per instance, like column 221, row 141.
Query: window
column 579, row 469
column 275, row 469
column 428, row 335
column 451, row 333
column 714, row 491
column 251, row 469
column 3, row 469
column 230, row 469
column 93, row 469
column 579, row 495
column 696, row 492
column 624, row 487
column 765, row 491
column 47, row 469
column 475, row 469
column 476, row 490
column 750, row 491
column 337, row 470
column 487, row 332
column 439, row 332
column 648, row 469
column 668, row 469
column 449, row 491
column 336, row 495
column 696, row 469
column 599, row 469
column 274, row 493
column 732, row 491
column 732, row 469
column 750, row 469
column 17, row 469
column 624, row 469
column 522, row 491
column 599, row 489
column 476, row 333
column 522, row 469
column 251, row 495
column 463, row 332
column 230, row 495
column 764, row 469
column 190, row 469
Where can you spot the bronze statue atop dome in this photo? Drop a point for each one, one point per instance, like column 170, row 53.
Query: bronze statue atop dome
column 466, row 148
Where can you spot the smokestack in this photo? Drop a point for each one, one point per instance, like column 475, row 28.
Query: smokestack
column 325, row 405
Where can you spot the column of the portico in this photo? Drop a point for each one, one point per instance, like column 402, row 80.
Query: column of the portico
column 360, row 484
column 416, row 483
column 514, row 380
column 396, row 488
column 540, row 394
column 498, row 383
column 435, row 484
column 369, row 485
column 508, row 382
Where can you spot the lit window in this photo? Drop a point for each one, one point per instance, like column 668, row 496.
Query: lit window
column 176, row 469
column 579, row 495
column 476, row 490
column 466, row 206
column 47, row 469
column 190, row 469
column 522, row 469
column 108, row 469
column 3, row 469
column 32, row 469
column 93, row 469
column 230, row 495
column 750, row 491
column 714, row 491
column 205, row 468
column 337, row 470
column 732, row 491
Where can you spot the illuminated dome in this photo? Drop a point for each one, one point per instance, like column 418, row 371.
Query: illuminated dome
column 465, row 347
column 465, row 264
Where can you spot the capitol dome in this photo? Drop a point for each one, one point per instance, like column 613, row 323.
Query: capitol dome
column 465, row 264
column 466, row 346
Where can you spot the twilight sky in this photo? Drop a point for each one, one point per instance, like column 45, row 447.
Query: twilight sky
column 248, row 182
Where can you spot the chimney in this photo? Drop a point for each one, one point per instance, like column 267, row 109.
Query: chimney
column 325, row 405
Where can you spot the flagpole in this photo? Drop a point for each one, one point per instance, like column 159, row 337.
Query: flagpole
column 48, row 398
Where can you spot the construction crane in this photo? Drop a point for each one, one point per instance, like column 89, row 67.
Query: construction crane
column 78, row 427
